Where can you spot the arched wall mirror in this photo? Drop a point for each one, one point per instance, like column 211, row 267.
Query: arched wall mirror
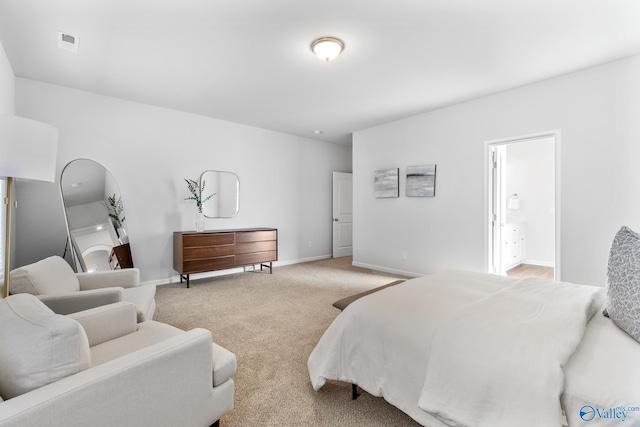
column 226, row 187
column 96, row 221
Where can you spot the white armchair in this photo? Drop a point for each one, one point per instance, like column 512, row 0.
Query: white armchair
column 54, row 282
column 101, row 368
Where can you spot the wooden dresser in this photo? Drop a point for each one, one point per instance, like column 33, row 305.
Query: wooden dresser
column 120, row 257
column 199, row 252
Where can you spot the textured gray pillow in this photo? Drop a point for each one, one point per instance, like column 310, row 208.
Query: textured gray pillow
column 623, row 278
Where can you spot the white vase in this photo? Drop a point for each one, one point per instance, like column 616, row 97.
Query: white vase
column 199, row 222
column 124, row 238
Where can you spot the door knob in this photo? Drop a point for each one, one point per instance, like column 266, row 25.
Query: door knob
column 335, row 219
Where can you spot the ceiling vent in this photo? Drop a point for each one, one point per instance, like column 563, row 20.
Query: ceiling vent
column 68, row 42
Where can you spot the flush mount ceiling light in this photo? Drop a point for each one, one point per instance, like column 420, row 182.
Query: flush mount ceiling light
column 327, row 48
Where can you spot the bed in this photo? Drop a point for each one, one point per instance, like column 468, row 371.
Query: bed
column 459, row 348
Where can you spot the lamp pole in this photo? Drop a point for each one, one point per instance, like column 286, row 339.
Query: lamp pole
column 7, row 236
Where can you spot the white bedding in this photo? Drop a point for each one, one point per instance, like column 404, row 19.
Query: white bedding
column 383, row 343
column 603, row 374
column 498, row 358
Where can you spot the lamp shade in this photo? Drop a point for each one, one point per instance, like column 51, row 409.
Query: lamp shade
column 27, row 149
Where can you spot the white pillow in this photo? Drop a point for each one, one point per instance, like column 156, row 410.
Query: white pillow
column 50, row 275
column 38, row 346
column 623, row 282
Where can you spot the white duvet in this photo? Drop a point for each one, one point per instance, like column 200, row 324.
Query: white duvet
column 460, row 348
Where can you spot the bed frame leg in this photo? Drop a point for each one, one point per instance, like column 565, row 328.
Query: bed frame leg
column 354, row 392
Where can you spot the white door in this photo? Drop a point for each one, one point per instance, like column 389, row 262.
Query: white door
column 342, row 214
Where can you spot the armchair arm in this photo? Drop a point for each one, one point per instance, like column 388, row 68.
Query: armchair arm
column 107, row 322
column 166, row 384
column 72, row 302
column 127, row 278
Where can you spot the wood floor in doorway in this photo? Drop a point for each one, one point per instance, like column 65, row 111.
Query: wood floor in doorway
column 528, row 270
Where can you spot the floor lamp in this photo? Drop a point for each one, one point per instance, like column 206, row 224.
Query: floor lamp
column 27, row 151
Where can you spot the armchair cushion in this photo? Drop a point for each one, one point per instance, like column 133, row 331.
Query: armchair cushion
column 107, row 322
column 143, row 297
column 147, row 334
column 50, row 275
column 73, row 302
column 127, row 278
column 224, row 365
column 38, row 346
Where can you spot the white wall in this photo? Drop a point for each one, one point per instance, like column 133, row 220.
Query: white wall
column 530, row 172
column 285, row 181
column 596, row 111
column 87, row 215
column 7, row 104
column 7, row 84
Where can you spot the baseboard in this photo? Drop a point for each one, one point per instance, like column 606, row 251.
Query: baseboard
column 539, row 263
column 195, row 276
column 301, row 260
column 176, row 278
column 386, row 270
column 159, row 282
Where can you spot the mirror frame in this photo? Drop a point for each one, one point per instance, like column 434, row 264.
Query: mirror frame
column 237, row 193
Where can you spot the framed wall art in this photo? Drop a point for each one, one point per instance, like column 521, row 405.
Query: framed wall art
column 386, row 183
column 421, row 181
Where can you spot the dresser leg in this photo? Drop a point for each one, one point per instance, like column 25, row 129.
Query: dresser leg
column 270, row 267
column 182, row 278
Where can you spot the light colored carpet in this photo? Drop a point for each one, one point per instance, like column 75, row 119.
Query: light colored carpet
column 272, row 322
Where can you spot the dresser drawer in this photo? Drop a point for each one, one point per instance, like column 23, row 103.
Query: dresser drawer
column 200, row 252
column 211, row 264
column 256, row 258
column 256, row 236
column 245, row 248
column 207, row 239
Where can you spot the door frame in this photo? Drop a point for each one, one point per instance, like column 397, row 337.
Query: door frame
column 489, row 194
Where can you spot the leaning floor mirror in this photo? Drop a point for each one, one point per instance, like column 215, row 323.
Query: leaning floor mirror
column 95, row 217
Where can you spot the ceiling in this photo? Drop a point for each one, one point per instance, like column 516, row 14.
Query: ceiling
column 249, row 61
column 84, row 181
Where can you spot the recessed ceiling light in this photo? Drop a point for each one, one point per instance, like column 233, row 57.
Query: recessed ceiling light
column 76, row 184
column 316, row 132
column 327, row 48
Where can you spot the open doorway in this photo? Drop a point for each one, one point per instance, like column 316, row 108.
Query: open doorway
column 522, row 207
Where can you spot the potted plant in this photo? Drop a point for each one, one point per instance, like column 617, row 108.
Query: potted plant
column 196, row 189
column 115, row 209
